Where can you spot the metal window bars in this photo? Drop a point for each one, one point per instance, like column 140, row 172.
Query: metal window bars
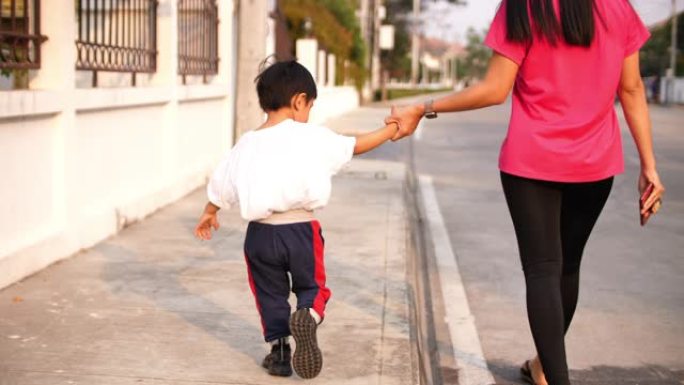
column 20, row 36
column 197, row 38
column 117, row 36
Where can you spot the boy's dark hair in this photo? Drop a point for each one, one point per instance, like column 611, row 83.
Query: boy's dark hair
column 277, row 84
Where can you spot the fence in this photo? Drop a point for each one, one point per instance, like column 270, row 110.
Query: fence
column 20, row 36
column 197, row 38
column 117, row 36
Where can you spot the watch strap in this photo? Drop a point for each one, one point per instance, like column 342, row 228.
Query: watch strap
column 429, row 110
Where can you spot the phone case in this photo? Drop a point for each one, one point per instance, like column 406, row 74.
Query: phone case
column 642, row 200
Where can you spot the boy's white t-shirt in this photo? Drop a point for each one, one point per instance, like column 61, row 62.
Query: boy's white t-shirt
column 284, row 167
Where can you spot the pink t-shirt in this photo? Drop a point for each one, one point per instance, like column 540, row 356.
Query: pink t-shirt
column 563, row 124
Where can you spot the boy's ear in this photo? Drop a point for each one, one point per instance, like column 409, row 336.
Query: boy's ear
column 299, row 101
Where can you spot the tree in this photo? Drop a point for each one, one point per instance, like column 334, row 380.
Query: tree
column 655, row 54
column 474, row 64
column 397, row 61
column 336, row 27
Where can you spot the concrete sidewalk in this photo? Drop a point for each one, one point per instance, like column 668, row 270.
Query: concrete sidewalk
column 153, row 305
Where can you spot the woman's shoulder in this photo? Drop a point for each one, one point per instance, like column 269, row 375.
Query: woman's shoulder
column 621, row 18
column 615, row 11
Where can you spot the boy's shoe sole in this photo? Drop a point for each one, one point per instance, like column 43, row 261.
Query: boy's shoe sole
column 307, row 360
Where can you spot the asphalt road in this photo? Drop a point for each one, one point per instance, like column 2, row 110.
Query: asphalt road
column 629, row 327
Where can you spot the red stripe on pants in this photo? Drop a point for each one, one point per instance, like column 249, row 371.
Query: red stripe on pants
column 319, row 271
column 256, row 297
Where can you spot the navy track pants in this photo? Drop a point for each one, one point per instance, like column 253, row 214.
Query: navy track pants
column 273, row 251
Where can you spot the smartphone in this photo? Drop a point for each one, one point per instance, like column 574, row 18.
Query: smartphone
column 642, row 200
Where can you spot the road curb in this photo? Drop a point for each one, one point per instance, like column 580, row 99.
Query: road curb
column 429, row 331
column 446, row 339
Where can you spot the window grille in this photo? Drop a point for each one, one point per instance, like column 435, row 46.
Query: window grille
column 197, row 38
column 117, row 36
column 20, row 36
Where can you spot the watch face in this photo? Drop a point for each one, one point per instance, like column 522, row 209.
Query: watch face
column 431, row 115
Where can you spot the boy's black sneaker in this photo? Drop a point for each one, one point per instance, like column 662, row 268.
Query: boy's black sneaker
column 307, row 359
column 278, row 361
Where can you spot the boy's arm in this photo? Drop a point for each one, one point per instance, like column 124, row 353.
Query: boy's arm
column 211, row 208
column 372, row 140
column 208, row 220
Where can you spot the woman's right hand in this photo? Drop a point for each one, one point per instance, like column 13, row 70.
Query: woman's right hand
column 653, row 203
column 407, row 118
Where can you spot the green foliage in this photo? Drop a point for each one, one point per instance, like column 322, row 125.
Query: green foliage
column 336, row 28
column 474, row 64
column 655, row 54
column 397, row 61
column 393, row 94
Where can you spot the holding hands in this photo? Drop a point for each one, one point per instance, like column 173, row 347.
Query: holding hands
column 407, row 118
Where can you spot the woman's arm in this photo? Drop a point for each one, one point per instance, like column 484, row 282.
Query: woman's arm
column 632, row 95
column 492, row 90
column 633, row 99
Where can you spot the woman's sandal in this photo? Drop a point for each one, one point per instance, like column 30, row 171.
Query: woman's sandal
column 526, row 373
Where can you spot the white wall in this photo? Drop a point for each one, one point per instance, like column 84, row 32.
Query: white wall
column 307, row 54
column 79, row 164
column 333, row 102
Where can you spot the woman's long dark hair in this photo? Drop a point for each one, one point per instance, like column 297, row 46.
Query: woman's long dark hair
column 577, row 25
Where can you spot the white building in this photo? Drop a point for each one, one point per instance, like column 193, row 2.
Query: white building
column 127, row 106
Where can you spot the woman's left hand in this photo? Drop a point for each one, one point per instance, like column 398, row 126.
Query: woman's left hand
column 654, row 201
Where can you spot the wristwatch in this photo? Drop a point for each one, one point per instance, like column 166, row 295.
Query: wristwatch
column 429, row 110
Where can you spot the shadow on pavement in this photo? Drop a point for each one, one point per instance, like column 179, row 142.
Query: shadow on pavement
column 127, row 272
column 508, row 374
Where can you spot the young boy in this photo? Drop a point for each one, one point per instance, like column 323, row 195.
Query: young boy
column 279, row 174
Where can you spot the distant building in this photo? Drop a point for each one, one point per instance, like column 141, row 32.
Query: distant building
column 439, row 60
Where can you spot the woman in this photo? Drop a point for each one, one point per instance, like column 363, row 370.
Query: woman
column 564, row 61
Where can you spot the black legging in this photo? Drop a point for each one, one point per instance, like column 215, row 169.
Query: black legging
column 552, row 222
